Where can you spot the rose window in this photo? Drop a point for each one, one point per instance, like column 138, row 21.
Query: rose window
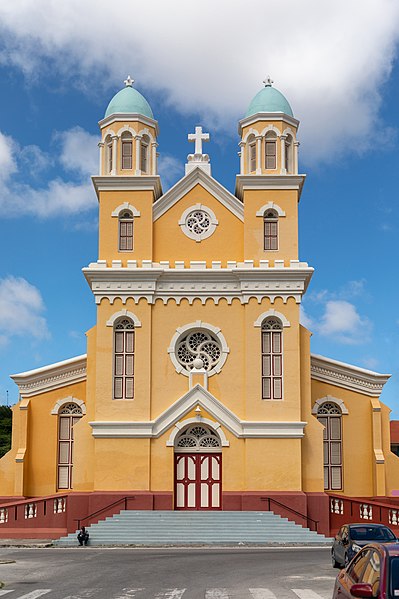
column 198, row 344
column 198, row 222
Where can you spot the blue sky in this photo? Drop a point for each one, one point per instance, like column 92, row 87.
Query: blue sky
column 341, row 77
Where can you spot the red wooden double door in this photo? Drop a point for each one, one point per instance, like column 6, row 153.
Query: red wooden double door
column 198, row 481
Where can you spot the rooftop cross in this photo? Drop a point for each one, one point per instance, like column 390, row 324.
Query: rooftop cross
column 198, row 137
column 268, row 81
column 129, row 81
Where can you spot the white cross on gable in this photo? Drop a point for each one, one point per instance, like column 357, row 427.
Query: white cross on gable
column 198, row 137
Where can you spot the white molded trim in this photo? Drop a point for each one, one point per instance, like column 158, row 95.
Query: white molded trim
column 110, row 133
column 330, row 399
column 110, row 322
column 198, row 324
column 126, row 129
column 133, row 117
column 261, row 318
column 128, row 183
column 199, row 396
column 266, row 116
column 213, row 222
column 126, row 206
column 251, row 131
column 211, row 423
column 269, row 128
column 70, row 399
column 187, row 183
column 270, row 206
column 147, row 133
column 273, row 182
column 347, row 376
column 53, row 376
column 290, row 132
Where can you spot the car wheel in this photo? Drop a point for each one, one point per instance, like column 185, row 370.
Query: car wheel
column 334, row 562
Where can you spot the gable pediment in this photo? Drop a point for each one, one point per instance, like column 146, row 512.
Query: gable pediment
column 198, row 177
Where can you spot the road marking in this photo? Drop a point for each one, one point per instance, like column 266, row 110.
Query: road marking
column 6, row 592
column 216, row 594
column 170, row 594
column 35, row 594
column 262, row 594
column 306, row 594
column 128, row 593
column 83, row 594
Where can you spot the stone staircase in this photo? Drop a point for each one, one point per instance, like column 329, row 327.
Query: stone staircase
column 157, row 528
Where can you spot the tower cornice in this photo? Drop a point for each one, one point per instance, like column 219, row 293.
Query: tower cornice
column 258, row 182
column 240, row 280
column 125, row 183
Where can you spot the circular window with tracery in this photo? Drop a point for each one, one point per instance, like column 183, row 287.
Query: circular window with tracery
column 197, row 437
column 198, row 222
column 202, row 346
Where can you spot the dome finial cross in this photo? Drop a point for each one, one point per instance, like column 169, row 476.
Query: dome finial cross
column 268, row 81
column 129, row 81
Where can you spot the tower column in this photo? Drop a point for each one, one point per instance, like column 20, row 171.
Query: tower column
column 114, row 154
column 258, row 154
column 138, row 154
column 100, row 166
column 283, row 170
column 242, row 156
column 154, row 166
column 296, row 148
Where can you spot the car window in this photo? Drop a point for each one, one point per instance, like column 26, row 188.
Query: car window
column 372, row 533
column 371, row 572
column 356, row 568
column 394, row 577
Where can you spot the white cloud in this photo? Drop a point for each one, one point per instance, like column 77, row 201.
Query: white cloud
column 305, row 319
column 342, row 322
column 79, row 151
column 170, row 169
column 21, row 309
column 34, row 159
column 7, row 160
column 329, row 64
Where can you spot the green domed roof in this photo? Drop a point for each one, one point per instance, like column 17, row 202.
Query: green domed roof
column 129, row 100
column 269, row 99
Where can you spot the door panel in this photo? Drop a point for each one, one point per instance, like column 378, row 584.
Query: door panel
column 198, row 481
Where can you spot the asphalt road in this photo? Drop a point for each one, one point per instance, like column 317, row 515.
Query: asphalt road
column 167, row 573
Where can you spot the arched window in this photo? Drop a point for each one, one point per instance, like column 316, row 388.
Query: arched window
column 270, row 151
column 272, row 358
column 68, row 416
column 270, row 230
column 145, row 146
column 197, row 437
column 108, row 154
column 125, row 231
column 123, row 359
column 289, row 154
column 330, row 416
column 127, row 150
column 251, row 143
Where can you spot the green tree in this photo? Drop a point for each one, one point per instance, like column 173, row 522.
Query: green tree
column 5, row 429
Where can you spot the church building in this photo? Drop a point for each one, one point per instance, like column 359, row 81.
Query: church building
column 199, row 390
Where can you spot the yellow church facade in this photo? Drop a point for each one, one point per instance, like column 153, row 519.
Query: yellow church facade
column 199, row 390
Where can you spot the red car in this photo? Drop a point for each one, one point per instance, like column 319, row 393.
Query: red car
column 373, row 572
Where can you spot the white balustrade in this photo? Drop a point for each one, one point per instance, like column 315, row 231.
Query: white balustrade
column 393, row 517
column 336, row 506
column 366, row 511
column 30, row 510
column 59, row 505
column 3, row 515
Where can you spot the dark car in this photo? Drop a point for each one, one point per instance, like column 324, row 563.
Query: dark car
column 373, row 572
column 352, row 537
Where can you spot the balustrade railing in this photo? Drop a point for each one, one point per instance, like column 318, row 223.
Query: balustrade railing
column 44, row 513
column 3, row 515
column 344, row 510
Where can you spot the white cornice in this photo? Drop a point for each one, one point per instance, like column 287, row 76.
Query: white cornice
column 154, row 281
column 259, row 182
column 129, row 117
column 199, row 396
column 266, row 116
column 347, row 376
column 182, row 187
column 53, row 376
column 127, row 183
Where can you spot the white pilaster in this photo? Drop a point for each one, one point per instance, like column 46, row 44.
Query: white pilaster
column 258, row 154
column 138, row 154
column 296, row 148
column 283, row 170
column 114, row 154
column 101, row 158
column 242, row 157
column 154, row 146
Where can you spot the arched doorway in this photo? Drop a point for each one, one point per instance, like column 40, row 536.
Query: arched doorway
column 198, row 469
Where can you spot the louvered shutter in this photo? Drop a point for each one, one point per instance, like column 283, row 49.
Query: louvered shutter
column 270, row 154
